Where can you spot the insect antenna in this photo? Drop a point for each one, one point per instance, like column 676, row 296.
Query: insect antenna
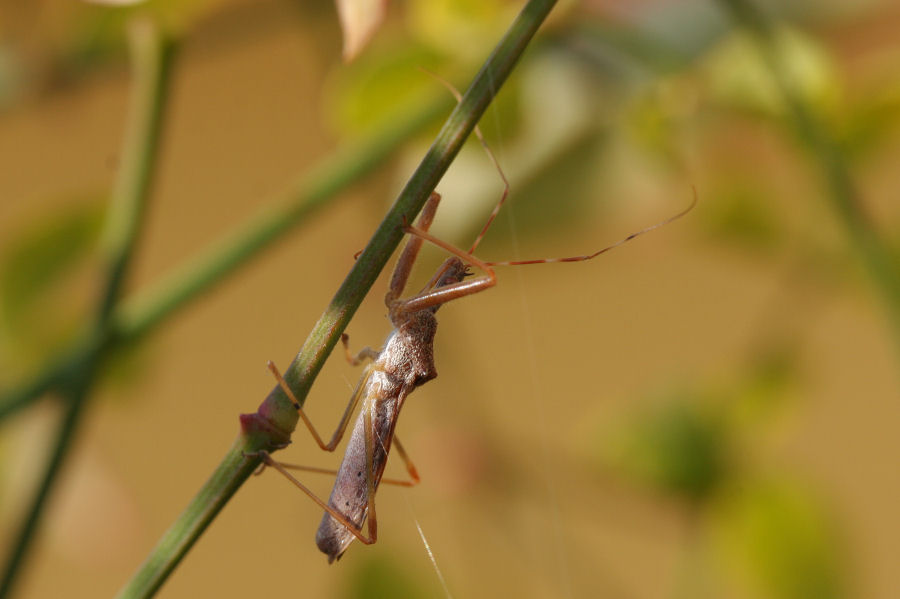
column 506, row 187
column 622, row 241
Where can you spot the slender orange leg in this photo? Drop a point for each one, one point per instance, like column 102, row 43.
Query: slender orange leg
column 490, row 153
column 370, row 483
column 268, row 461
column 410, row 468
column 405, row 262
column 345, row 419
column 384, row 481
column 442, row 295
column 366, row 353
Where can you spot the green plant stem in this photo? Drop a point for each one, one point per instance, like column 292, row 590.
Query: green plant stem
column 299, row 202
column 151, row 56
column 842, row 193
column 50, row 377
column 136, row 317
column 74, row 396
column 270, row 427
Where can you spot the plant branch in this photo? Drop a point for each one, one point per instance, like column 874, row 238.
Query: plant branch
column 138, row 316
column 295, row 205
column 271, row 426
column 151, row 55
column 842, row 193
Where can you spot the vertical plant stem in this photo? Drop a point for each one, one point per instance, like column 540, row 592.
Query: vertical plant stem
column 271, row 426
column 842, row 194
column 151, row 55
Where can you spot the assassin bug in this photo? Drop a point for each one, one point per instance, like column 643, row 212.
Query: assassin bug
column 405, row 362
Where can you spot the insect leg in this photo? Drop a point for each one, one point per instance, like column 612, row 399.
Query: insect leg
column 370, row 481
column 490, row 153
column 268, row 461
column 410, row 468
column 366, row 353
column 411, row 251
column 316, row 470
column 345, row 419
column 442, row 295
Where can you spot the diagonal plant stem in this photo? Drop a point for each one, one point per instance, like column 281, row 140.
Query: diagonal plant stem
column 298, row 203
column 875, row 253
column 138, row 316
column 151, row 57
column 271, row 426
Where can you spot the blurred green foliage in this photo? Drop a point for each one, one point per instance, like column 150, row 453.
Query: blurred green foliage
column 375, row 577
column 39, row 280
column 783, row 540
column 679, row 448
column 686, row 443
column 738, row 77
column 381, row 86
column 773, row 530
column 741, row 215
column 652, row 87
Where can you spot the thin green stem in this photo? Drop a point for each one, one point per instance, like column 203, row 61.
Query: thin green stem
column 151, row 56
column 234, row 469
column 139, row 315
column 271, row 426
column 299, row 202
column 844, row 198
column 326, row 332
column 75, row 394
column 49, row 378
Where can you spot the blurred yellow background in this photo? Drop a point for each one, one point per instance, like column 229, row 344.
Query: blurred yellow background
column 709, row 411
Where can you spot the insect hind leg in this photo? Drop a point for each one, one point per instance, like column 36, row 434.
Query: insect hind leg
column 345, row 419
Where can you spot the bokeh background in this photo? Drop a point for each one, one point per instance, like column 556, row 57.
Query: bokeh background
column 709, row 411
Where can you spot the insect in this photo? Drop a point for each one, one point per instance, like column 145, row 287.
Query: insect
column 405, row 363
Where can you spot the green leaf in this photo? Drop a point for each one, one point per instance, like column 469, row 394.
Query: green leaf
column 34, row 269
column 380, row 577
column 680, row 448
column 381, row 85
column 738, row 77
column 741, row 215
column 872, row 121
column 767, row 386
column 97, row 33
column 459, row 28
column 782, row 538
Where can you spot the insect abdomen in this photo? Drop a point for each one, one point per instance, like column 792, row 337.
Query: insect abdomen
column 349, row 494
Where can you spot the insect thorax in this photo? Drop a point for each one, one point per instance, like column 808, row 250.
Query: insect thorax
column 408, row 356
